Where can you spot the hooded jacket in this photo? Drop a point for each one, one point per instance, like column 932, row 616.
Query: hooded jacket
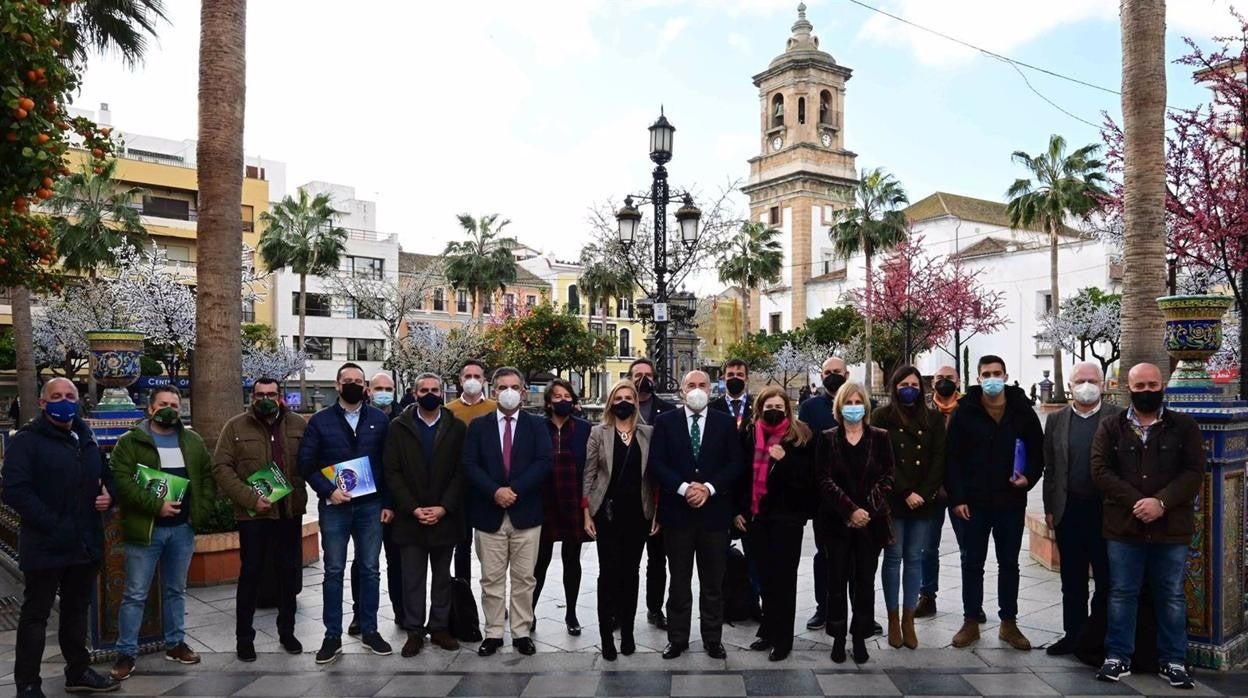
column 139, row 508
column 979, row 455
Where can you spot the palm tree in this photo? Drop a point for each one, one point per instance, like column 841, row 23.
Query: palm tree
column 875, row 224
column 483, row 263
column 1144, row 179
column 753, row 257
column 300, row 235
column 599, row 280
column 1065, row 186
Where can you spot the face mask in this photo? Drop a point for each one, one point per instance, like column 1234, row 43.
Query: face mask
column 166, row 417
column 735, row 386
column 509, row 399
column 265, row 407
column 623, row 410
column 993, row 386
column 1087, row 393
column 645, row 385
column 853, row 414
column 472, row 387
column 352, row 393
column 908, row 395
column 773, row 417
column 833, row 382
column 62, row 410
column 696, row 399
column 946, row 387
column 1147, row 401
column 383, row 398
column 561, row 408
column 429, row 402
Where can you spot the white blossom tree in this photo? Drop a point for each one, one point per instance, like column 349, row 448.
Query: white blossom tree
column 1227, row 358
column 1087, row 323
column 789, row 362
column 61, row 323
column 278, row 363
column 435, row 350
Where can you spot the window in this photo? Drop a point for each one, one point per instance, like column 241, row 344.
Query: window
column 363, row 311
column 366, row 349
column 420, row 302
column 177, row 253
column 825, row 108
column 574, row 300
column 773, row 215
column 530, row 301
column 831, row 262
column 318, row 348
column 777, row 111
column 1043, row 347
column 167, row 208
column 249, row 218
column 364, row 267
column 439, row 300
column 1044, row 303
column 595, row 327
column 509, row 303
column 775, row 323
column 319, row 305
column 487, row 304
column 249, row 311
column 623, row 307
column 626, row 348
column 801, row 110
column 461, row 301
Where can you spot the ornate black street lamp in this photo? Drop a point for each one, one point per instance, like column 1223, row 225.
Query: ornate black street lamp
column 687, row 217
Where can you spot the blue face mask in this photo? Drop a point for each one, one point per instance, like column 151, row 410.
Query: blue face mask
column 853, row 413
column 993, row 386
column 383, row 399
column 908, row 395
column 62, row 410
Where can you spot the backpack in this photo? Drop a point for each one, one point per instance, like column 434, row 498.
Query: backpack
column 1090, row 645
column 465, row 625
column 738, row 605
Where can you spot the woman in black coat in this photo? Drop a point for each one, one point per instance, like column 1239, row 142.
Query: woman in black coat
column 773, row 502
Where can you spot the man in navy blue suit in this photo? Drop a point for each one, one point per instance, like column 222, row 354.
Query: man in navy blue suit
column 507, row 457
column 696, row 456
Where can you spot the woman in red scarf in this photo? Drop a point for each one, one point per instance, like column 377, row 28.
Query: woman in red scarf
column 773, row 503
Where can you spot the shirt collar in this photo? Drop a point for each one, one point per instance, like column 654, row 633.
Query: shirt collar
column 437, row 416
column 1088, row 415
column 1134, row 420
column 498, row 414
column 358, row 408
column 689, row 413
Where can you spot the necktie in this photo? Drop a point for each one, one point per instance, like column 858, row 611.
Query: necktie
column 695, row 436
column 736, row 408
column 507, row 447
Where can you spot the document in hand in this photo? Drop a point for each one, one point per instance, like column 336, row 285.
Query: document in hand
column 270, row 483
column 355, row 477
column 166, row 486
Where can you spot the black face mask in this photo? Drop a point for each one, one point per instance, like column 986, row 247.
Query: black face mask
column 773, row 417
column 1147, row 401
column 429, row 402
column 833, row 382
column 735, row 386
column 562, row 408
column 946, row 387
column 623, row 410
column 265, row 407
column 352, row 393
column 646, row 386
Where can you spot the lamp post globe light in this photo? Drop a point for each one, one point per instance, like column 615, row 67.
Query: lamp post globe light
column 688, row 217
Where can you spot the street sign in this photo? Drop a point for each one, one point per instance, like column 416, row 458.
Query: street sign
column 148, row 382
column 294, row 400
column 660, row 312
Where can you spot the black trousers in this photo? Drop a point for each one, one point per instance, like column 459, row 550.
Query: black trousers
column 76, row 584
column 421, row 563
column 819, row 570
column 775, row 549
column 852, row 561
column 1081, row 546
column 619, row 570
column 463, row 555
column 709, row 549
column 282, row 541
column 570, row 554
column 394, row 574
column 656, row 572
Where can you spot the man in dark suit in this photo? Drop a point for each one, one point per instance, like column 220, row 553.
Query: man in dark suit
column 507, row 457
column 696, row 457
column 737, row 402
column 650, row 406
column 1072, row 503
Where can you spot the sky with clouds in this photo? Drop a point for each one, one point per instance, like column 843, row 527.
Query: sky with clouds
column 539, row 109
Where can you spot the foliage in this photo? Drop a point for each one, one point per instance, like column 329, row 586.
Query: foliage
column 300, row 235
column 221, row 520
column 92, row 218
column 600, row 279
column 280, row 362
column 8, row 353
column 1089, row 321
column 426, row 348
column 838, row 330
column 483, row 263
column 1227, row 357
column 61, row 323
column 755, row 350
column 754, row 257
column 259, row 335
column 121, row 26
column 541, row 338
column 1065, row 185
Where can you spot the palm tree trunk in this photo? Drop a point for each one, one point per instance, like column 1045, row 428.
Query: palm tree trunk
column 1144, row 172
column 1059, row 381
column 24, row 345
column 303, row 339
column 476, row 307
column 745, row 313
column 866, row 380
column 217, row 366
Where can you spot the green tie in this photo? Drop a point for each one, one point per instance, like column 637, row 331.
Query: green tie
column 695, row 436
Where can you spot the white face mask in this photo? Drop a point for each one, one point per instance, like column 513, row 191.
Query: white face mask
column 696, row 399
column 509, row 399
column 472, row 387
column 1087, row 393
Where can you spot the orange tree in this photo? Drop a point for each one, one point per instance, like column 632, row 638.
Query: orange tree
column 542, row 338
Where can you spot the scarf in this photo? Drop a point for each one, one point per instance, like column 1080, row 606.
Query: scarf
column 946, row 408
column 764, row 438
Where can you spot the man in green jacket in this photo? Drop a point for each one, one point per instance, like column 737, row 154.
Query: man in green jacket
column 159, row 527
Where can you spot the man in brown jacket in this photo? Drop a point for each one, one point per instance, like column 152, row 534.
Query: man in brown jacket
column 1149, row 463
column 266, row 433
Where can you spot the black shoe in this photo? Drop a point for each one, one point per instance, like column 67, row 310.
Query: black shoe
column 524, row 645
column 816, row 621
column 715, row 650
column 838, row 650
column 1064, row 646
column 674, row 649
column 760, row 645
column 32, row 690
column 415, row 643
column 1113, row 670
column 608, row 648
column 291, row 644
column 330, row 650
column 376, row 644
column 876, row 629
column 354, row 628
column 777, row 655
column 574, row 626
column 860, row 651
column 1177, row 675
column 627, row 645
column 981, row 618
column 489, row 646
column 657, row 619
column 246, row 650
column 91, row 682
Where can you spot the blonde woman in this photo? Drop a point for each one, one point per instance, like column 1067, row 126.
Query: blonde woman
column 855, row 462
column 618, row 509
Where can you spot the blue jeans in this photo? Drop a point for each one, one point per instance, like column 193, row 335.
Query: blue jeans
column 1005, row 525
column 171, row 549
column 929, row 583
column 910, row 540
column 340, row 523
column 1165, row 565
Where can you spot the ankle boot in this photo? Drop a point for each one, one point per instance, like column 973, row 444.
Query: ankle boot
column 838, row 650
column 608, row 647
column 627, row 644
column 860, row 650
column 1011, row 634
column 908, row 637
column 894, row 630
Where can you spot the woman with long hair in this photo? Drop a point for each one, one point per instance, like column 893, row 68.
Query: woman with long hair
column 855, row 462
column 773, row 502
column 561, row 496
column 917, row 433
column 618, row 510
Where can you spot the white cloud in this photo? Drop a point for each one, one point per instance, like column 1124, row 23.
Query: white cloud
column 739, row 42
column 671, row 31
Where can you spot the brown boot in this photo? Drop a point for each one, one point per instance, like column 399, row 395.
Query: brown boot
column 894, row 630
column 968, row 634
column 908, row 638
column 1011, row 634
column 444, row 640
column 926, row 607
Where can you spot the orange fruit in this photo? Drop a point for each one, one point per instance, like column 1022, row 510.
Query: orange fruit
column 43, row 138
column 19, row 113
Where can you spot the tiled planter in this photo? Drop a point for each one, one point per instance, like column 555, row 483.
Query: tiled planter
column 216, row 558
column 1043, row 542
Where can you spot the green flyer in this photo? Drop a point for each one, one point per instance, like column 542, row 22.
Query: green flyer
column 269, row 482
column 166, row 486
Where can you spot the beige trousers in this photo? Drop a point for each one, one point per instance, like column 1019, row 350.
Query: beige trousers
column 513, row 550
